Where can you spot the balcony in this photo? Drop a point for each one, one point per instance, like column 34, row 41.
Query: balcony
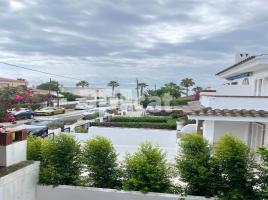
column 235, row 102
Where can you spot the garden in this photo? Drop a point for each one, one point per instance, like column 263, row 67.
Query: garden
column 226, row 170
column 139, row 122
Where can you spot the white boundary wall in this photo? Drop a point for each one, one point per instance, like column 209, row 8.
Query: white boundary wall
column 21, row 184
column 13, row 153
column 127, row 140
column 86, row 193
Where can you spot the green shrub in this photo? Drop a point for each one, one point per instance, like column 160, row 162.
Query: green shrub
column 140, row 119
column 236, row 164
column 194, row 166
column 91, row 116
column 61, row 161
column 264, row 172
column 170, row 125
column 100, row 159
column 80, row 129
column 179, row 102
column 69, row 121
column 147, row 170
column 34, row 148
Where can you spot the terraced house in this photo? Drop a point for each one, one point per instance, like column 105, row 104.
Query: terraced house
column 239, row 107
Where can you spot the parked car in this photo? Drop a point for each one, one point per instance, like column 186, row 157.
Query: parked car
column 83, row 106
column 51, row 123
column 21, row 113
column 49, row 111
column 36, row 131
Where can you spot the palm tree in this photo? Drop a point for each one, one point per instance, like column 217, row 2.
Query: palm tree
column 142, row 86
column 113, row 84
column 186, row 83
column 82, row 84
column 171, row 85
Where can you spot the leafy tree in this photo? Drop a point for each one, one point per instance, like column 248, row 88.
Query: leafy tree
column 83, row 84
column 186, row 83
column 194, row 165
column 53, row 86
column 147, row 170
column 264, row 172
column 142, row 86
column 113, row 84
column 119, row 96
column 100, row 159
column 236, row 165
column 69, row 96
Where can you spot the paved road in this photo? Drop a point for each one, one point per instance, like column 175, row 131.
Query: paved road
column 77, row 114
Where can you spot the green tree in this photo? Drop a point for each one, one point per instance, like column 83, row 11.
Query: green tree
column 69, row 96
column 113, row 84
column 83, row 84
column 187, row 83
column 100, row 159
column 147, row 170
column 194, row 166
column 53, row 86
column 236, row 165
column 264, row 172
column 142, row 86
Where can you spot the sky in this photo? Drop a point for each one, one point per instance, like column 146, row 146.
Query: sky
column 156, row 41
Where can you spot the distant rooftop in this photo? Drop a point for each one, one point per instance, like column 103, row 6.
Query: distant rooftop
column 10, row 80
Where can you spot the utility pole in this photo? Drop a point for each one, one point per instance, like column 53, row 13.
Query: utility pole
column 49, row 93
column 138, row 95
column 58, row 90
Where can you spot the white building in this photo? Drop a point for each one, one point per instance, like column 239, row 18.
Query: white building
column 239, row 107
column 88, row 92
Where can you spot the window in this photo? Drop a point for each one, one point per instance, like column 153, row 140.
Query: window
column 245, row 81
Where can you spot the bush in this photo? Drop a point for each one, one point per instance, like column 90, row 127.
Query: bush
column 194, row 165
column 91, row 116
column 170, row 125
column 61, row 161
column 100, row 159
column 80, row 129
column 264, row 172
column 179, row 102
column 147, row 170
column 34, row 148
column 236, row 165
column 140, row 119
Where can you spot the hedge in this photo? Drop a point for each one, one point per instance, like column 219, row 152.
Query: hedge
column 140, row 119
column 170, row 126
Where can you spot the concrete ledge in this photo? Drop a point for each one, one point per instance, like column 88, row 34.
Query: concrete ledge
column 85, row 193
column 20, row 184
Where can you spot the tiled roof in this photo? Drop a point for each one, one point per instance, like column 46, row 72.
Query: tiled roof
column 229, row 113
column 239, row 63
column 11, row 80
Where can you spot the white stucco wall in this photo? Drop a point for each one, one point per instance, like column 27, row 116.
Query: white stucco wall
column 83, row 193
column 13, row 153
column 213, row 130
column 128, row 139
column 248, row 103
column 21, row 184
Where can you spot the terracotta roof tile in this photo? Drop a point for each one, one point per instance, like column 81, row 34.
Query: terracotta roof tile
column 229, row 113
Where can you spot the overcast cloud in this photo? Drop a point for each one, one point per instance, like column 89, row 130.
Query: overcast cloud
column 157, row 41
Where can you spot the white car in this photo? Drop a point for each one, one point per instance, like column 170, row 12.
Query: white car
column 83, row 106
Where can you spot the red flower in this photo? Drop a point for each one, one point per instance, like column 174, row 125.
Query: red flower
column 18, row 98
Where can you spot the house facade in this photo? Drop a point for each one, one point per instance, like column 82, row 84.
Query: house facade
column 239, row 107
column 7, row 82
column 87, row 92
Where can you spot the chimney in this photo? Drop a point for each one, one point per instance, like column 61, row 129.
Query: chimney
column 241, row 56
